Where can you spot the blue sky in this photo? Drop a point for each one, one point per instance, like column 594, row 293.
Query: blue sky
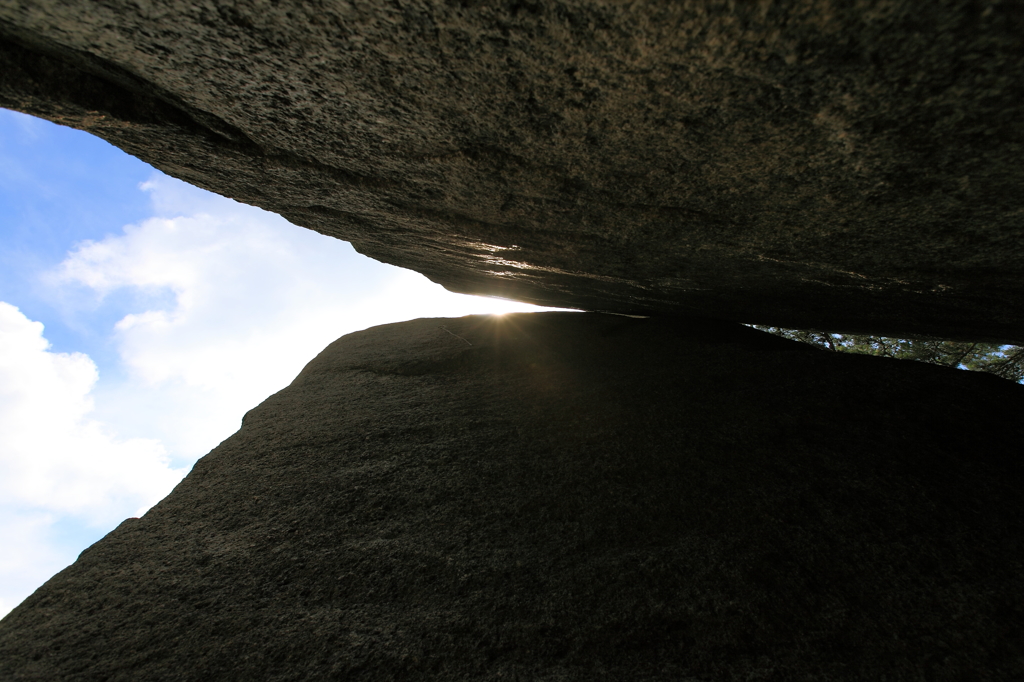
column 140, row 318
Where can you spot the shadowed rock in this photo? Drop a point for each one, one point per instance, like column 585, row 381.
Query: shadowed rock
column 817, row 164
column 569, row 497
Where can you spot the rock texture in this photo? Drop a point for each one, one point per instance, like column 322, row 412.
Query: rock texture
column 810, row 164
column 569, row 497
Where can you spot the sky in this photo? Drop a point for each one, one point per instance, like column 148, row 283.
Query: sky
column 140, row 318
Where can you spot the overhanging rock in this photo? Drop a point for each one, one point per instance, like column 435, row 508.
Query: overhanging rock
column 854, row 167
column 569, row 497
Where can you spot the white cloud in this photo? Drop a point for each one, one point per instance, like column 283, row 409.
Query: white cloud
column 225, row 305
column 253, row 299
column 27, row 558
column 54, row 456
column 56, row 460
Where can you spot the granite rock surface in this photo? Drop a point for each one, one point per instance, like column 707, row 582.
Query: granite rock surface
column 806, row 164
column 569, row 497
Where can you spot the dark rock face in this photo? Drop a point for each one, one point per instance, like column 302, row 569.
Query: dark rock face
column 816, row 164
column 569, row 497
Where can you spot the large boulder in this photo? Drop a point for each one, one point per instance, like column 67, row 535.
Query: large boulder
column 569, row 497
column 813, row 164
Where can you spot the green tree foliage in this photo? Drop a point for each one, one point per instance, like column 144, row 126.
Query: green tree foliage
column 1002, row 360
